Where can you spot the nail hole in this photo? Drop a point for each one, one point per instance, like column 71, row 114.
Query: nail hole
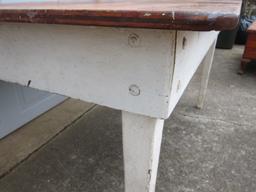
column 134, row 90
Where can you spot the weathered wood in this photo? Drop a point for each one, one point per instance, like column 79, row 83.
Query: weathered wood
column 123, row 68
column 191, row 48
column 250, row 48
column 200, row 15
column 206, row 69
column 72, row 61
column 142, row 138
column 141, row 71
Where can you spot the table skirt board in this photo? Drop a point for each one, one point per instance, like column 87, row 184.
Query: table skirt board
column 137, row 70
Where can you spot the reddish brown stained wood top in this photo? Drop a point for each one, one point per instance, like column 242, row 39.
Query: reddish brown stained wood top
column 252, row 28
column 201, row 15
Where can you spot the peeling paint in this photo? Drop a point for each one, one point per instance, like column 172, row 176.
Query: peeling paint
column 173, row 15
column 31, row 15
column 147, row 14
column 149, row 179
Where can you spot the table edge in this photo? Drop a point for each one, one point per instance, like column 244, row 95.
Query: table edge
column 195, row 21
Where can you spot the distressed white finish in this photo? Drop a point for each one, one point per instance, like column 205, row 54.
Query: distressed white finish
column 206, row 69
column 142, row 71
column 95, row 64
column 103, row 65
column 142, row 138
column 190, row 51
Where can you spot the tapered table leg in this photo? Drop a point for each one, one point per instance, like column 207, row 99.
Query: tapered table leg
column 207, row 65
column 142, row 138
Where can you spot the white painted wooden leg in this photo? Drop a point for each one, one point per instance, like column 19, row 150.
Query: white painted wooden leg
column 206, row 69
column 142, row 138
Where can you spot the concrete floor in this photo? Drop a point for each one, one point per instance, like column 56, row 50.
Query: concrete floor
column 209, row 150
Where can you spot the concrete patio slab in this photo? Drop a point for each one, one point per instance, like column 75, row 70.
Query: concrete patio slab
column 16, row 147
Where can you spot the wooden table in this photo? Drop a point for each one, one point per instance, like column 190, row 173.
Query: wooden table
column 250, row 47
column 137, row 56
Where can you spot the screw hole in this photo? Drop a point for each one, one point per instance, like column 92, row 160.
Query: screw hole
column 133, row 40
column 134, row 90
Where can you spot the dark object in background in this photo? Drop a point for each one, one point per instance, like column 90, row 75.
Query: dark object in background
column 250, row 48
column 245, row 23
column 226, row 39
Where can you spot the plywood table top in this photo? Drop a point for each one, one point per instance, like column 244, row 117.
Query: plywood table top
column 201, row 15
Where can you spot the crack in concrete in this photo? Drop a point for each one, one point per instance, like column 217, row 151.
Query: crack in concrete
column 207, row 119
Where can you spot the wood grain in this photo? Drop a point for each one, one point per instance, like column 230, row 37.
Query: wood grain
column 250, row 48
column 201, row 15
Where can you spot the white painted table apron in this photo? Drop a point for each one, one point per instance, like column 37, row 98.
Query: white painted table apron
column 142, row 72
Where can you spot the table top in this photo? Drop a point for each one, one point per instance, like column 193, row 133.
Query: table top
column 252, row 28
column 200, row 15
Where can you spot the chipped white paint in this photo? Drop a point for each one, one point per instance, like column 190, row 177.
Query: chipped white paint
column 206, row 69
column 99, row 65
column 142, row 71
column 147, row 14
column 95, row 64
column 189, row 55
column 142, row 138
column 173, row 16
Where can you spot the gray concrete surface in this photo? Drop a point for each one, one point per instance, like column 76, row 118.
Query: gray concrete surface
column 208, row 150
column 17, row 146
